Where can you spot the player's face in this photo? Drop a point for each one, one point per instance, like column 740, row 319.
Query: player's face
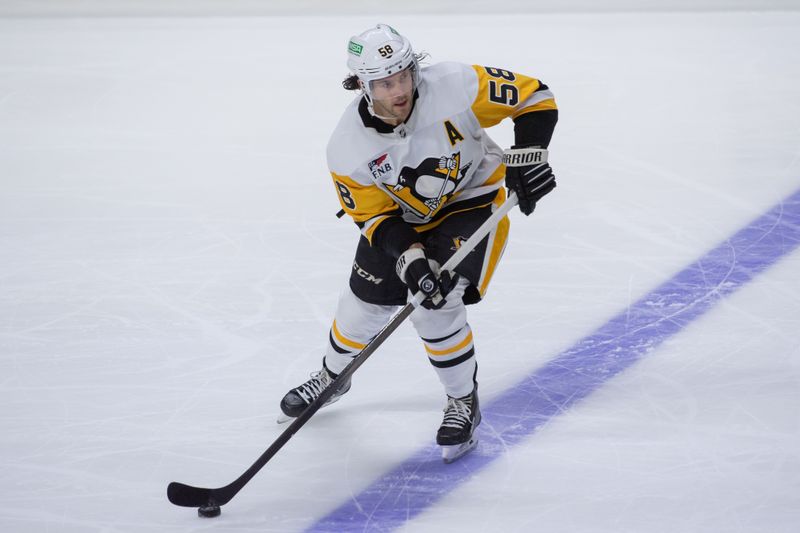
column 393, row 96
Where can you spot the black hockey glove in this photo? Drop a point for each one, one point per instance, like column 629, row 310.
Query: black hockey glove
column 529, row 175
column 420, row 274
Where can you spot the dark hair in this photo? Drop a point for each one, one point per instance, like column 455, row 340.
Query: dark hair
column 351, row 83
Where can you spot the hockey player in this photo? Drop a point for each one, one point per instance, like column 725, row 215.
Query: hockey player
column 414, row 168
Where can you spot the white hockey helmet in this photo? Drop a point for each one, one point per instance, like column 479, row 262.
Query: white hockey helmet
column 379, row 52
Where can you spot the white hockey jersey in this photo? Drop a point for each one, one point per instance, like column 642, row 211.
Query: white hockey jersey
column 440, row 160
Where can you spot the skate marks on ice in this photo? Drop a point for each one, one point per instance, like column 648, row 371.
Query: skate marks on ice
column 423, row 479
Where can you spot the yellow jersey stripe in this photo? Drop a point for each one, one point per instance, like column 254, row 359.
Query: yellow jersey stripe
column 498, row 237
column 425, row 227
column 496, row 176
column 362, row 202
column 372, row 225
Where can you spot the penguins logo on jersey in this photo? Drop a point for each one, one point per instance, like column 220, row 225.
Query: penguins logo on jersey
column 425, row 188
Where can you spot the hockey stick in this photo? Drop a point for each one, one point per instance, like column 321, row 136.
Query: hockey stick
column 188, row 496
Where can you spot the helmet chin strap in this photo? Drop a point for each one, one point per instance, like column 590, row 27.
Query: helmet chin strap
column 371, row 107
column 374, row 113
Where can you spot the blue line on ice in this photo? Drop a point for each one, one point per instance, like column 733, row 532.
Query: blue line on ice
column 422, row 479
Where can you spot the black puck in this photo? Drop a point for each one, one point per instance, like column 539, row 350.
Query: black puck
column 209, row 511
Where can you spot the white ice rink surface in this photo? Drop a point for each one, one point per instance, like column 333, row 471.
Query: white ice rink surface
column 170, row 263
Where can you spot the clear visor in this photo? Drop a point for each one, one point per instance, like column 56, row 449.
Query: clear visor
column 397, row 85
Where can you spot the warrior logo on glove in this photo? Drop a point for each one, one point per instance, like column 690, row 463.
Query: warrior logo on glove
column 529, row 175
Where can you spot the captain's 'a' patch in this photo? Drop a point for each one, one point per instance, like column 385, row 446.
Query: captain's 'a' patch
column 452, row 133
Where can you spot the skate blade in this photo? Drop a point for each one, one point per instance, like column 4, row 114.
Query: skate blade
column 283, row 418
column 451, row 453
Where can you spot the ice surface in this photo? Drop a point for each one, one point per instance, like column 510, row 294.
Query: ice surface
column 170, row 262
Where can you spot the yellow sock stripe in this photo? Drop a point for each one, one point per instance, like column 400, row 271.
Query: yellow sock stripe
column 461, row 345
column 343, row 340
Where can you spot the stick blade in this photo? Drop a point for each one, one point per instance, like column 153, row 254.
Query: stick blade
column 188, row 496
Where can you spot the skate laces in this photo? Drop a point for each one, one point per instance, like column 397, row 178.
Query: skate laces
column 311, row 389
column 458, row 412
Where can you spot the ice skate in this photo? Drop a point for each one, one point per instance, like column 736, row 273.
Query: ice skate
column 297, row 399
column 461, row 417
